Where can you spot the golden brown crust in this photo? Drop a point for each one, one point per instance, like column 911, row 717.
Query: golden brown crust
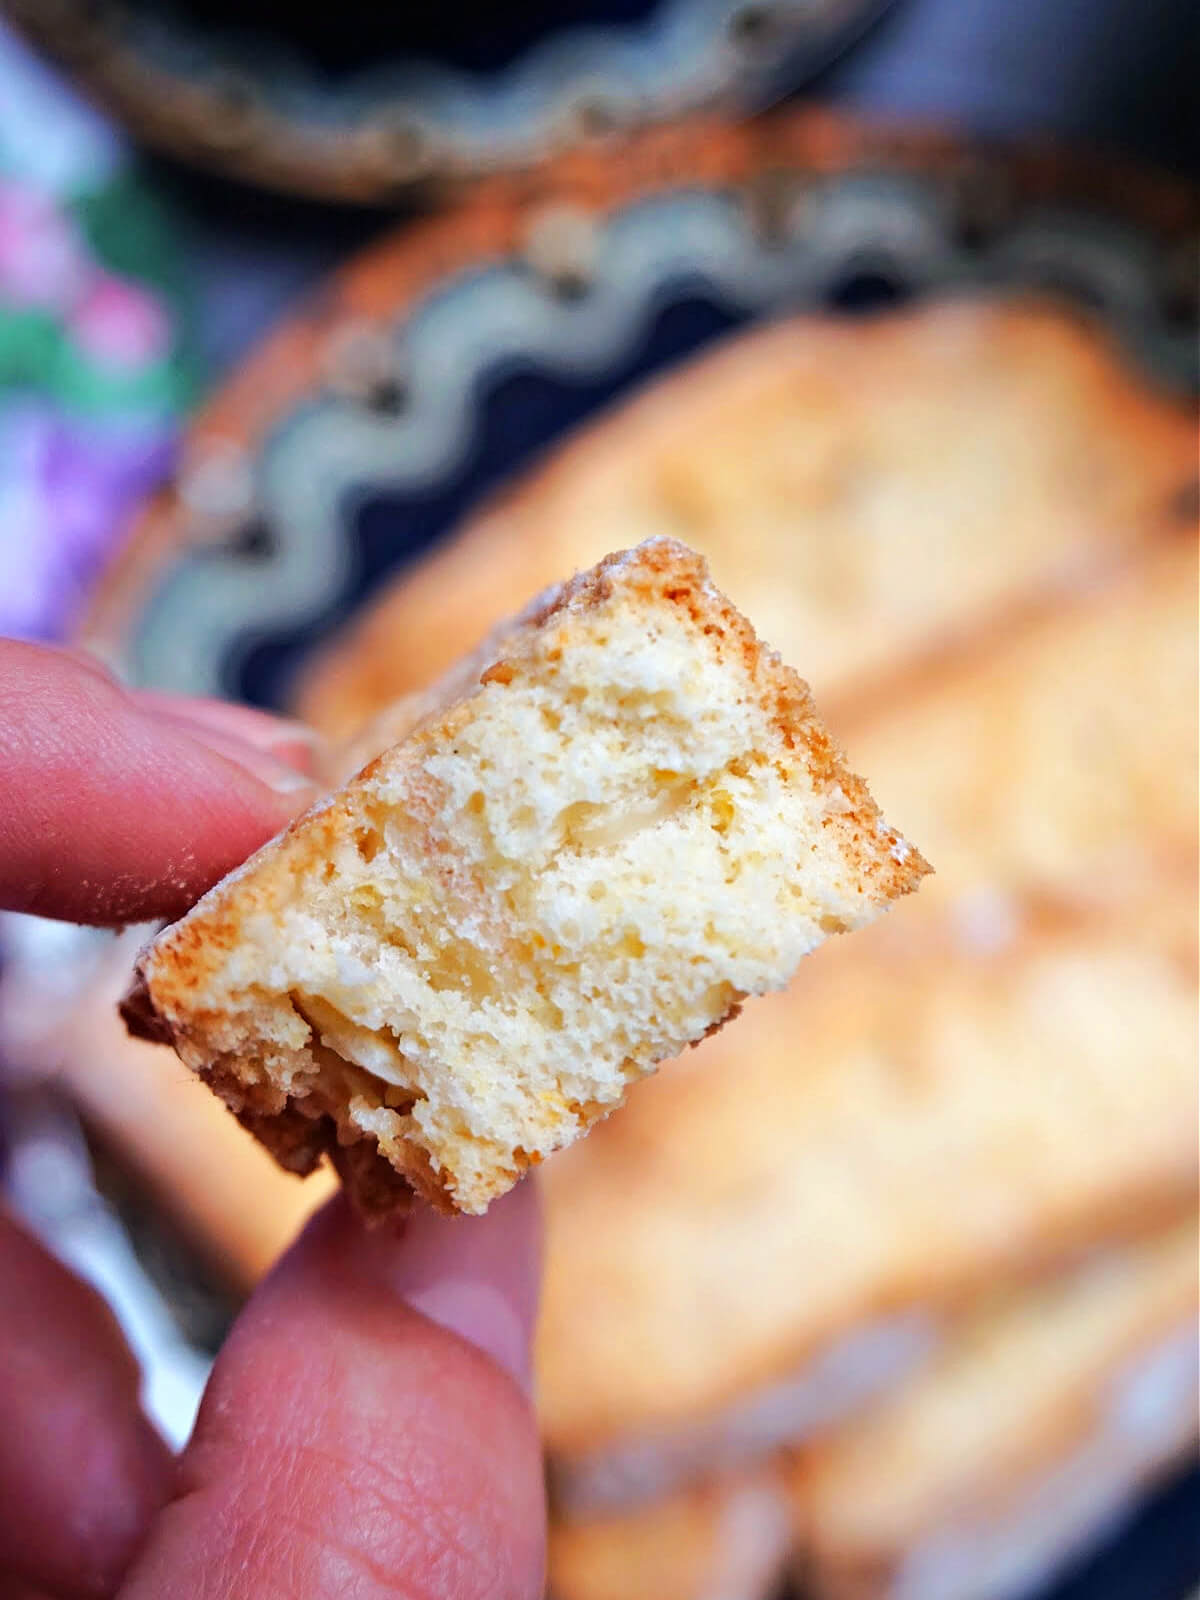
column 296, row 1140
column 298, row 1131
column 380, row 1194
column 139, row 1016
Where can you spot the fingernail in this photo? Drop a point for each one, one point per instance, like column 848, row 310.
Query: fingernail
column 292, row 743
column 284, row 780
column 258, row 762
column 275, row 774
column 476, row 1276
column 301, row 750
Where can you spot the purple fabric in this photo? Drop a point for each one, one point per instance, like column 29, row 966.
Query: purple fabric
column 65, row 486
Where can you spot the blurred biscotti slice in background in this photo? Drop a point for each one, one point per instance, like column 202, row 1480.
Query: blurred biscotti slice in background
column 728, row 1540
column 1060, row 755
column 785, row 1223
column 866, row 491
column 1037, row 1425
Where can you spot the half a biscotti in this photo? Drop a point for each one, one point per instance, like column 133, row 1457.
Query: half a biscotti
column 604, row 832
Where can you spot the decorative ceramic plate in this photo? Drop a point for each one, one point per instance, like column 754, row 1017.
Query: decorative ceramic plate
column 360, row 102
column 449, row 355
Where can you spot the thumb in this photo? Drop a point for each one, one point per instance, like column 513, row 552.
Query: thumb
column 366, row 1431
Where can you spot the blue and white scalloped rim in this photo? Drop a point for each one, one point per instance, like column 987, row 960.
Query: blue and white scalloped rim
column 681, row 55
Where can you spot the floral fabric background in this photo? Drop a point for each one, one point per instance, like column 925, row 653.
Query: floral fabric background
column 94, row 370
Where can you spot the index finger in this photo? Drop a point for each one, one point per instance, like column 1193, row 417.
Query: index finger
column 116, row 809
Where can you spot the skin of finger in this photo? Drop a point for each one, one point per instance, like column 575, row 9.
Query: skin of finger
column 348, row 1445
column 14, row 1587
column 107, row 814
column 82, row 1472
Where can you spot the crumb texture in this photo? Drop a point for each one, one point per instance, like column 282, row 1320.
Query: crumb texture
column 579, row 861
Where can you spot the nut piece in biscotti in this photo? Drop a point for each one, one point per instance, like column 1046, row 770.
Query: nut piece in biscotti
column 614, row 823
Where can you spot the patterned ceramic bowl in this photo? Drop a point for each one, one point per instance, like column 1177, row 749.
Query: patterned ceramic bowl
column 363, row 102
column 453, row 352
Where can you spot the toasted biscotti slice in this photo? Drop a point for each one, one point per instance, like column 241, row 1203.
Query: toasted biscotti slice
column 1046, row 1415
column 580, row 860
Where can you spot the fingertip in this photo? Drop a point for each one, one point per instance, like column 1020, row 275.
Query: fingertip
column 477, row 1277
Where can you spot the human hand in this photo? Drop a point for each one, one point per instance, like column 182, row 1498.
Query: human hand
column 366, row 1430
